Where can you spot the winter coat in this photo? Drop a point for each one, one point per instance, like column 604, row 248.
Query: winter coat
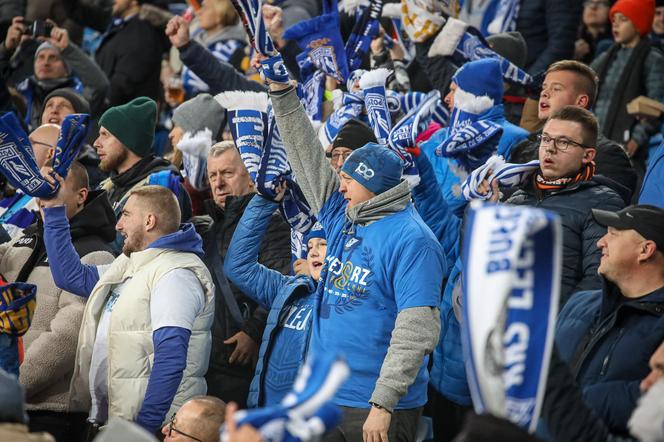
column 50, row 343
column 131, row 349
column 274, row 254
column 607, row 340
column 652, row 191
column 581, row 232
column 549, row 28
column 130, row 55
column 289, row 300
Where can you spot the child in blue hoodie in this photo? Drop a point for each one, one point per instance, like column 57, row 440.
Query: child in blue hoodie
column 291, row 300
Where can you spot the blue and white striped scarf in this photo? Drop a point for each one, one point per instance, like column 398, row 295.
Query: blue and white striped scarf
column 512, row 259
column 372, row 84
column 366, row 28
column 505, row 17
column 508, row 176
column 313, row 87
column 307, row 412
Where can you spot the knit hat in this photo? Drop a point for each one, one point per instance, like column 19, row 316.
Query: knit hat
column 353, row 135
column 480, row 85
column 78, row 101
column 199, row 113
column 510, row 45
column 317, row 231
column 133, row 124
column 49, row 45
column 375, row 167
column 640, row 12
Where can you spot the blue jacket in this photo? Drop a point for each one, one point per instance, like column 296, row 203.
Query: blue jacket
column 652, row 190
column 289, row 299
column 448, row 177
column 607, row 340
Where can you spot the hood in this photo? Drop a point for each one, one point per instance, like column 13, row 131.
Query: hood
column 97, row 218
column 623, row 191
column 184, row 240
column 140, row 170
column 234, row 32
column 387, row 203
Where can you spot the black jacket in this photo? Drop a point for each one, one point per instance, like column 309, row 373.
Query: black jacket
column 231, row 382
column 581, row 232
column 130, row 55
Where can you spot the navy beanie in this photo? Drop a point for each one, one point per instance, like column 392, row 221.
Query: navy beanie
column 316, row 231
column 481, row 78
column 375, row 167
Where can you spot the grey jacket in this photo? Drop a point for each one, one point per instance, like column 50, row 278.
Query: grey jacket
column 416, row 330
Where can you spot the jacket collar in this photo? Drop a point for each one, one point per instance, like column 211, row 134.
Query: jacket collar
column 234, row 207
column 613, row 299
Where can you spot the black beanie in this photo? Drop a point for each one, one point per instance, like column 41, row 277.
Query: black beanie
column 353, row 135
column 78, row 101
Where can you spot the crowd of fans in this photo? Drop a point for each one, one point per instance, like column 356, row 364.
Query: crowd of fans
column 232, row 212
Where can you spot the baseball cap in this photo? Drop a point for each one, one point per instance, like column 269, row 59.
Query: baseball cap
column 646, row 219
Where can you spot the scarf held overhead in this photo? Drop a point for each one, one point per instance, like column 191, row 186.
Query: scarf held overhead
column 510, row 304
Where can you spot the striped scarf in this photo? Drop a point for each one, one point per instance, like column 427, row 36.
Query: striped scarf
column 585, row 174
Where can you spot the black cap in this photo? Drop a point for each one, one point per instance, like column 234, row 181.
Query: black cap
column 646, row 219
column 353, row 135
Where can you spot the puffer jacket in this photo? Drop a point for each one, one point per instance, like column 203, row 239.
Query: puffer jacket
column 289, row 300
column 226, row 381
column 50, row 343
column 608, row 340
column 581, row 232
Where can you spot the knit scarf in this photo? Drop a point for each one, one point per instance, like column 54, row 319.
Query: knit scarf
column 307, row 412
column 312, row 87
column 508, row 176
column 508, row 330
column 367, row 25
column 545, row 185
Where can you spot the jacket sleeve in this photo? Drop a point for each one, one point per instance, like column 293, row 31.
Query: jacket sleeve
column 654, row 86
column 170, row 360
column 93, row 78
column 433, row 209
column 614, row 401
column 218, row 75
column 314, row 173
column 590, row 253
column 241, row 264
column 68, row 272
column 415, row 335
column 562, row 21
column 51, row 355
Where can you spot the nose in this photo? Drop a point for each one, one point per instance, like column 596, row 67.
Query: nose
column 218, row 181
column 342, row 187
column 97, row 143
column 448, row 99
column 340, row 162
column 601, row 243
column 648, row 381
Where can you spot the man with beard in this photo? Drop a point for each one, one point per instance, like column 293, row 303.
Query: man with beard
column 130, row 54
column 144, row 343
column 124, row 146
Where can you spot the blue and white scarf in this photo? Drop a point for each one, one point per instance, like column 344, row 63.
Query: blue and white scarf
column 508, row 176
column 313, row 87
column 372, row 84
column 366, row 28
column 195, row 149
column 307, row 412
column 460, row 39
column 350, row 108
column 321, row 39
column 512, row 256
column 252, row 20
column 505, row 17
column 17, row 158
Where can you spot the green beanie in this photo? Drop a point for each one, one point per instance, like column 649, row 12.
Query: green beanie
column 133, row 124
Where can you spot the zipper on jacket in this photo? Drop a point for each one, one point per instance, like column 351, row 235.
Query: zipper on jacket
column 607, row 358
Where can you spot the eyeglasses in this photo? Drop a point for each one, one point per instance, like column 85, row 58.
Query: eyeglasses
column 561, row 144
column 337, row 155
column 171, row 429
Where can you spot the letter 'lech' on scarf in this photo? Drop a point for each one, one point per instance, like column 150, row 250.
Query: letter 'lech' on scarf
column 458, row 38
column 321, row 39
column 17, row 159
column 512, row 256
column 307, row 412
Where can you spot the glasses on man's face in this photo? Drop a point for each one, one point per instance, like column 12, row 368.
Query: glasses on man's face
column 560, row 143
column 171, row 429
column 343, row 156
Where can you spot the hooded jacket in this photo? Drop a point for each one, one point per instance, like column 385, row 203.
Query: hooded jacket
column 363, row 282
column 607, row 340
column 226, row 381
column 289, row 300
column 581, row 232
column 50, row 343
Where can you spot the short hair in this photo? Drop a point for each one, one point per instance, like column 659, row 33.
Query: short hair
column 220, row 148
column 162, row 202
column 211, row 418
column 589, row 81
column 582, row 116
column 78, row 176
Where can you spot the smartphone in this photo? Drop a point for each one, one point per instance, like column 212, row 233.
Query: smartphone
column 37, row 28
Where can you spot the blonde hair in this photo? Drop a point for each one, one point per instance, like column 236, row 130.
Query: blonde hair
column 161, row 202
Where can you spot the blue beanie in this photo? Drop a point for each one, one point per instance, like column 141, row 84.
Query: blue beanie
column 481, row 78
column 375, row 167
column 316, row 231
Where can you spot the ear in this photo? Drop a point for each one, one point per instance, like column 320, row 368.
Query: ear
column 589, row 154
column 583, row 101
column 648, row 249
column 82, row 196
column 150, row 222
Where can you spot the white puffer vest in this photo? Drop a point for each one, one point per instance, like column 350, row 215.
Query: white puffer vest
column 130, row 346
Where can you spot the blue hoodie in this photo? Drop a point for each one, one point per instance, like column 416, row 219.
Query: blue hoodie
column 170, row 343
